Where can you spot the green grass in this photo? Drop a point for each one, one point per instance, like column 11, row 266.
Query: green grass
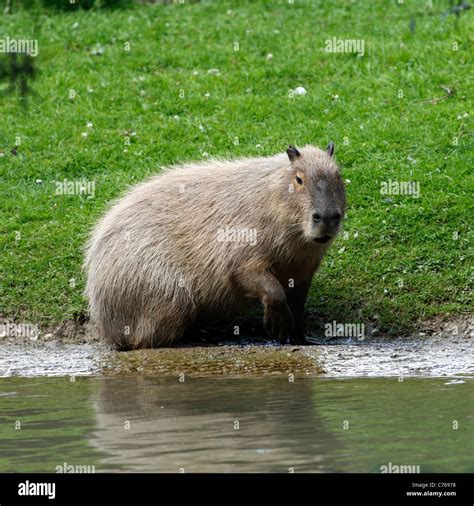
column 424, row 242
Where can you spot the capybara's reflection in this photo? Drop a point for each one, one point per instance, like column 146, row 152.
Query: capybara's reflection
column 210, row 425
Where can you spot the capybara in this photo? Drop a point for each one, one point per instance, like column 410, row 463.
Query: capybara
column 201, row 242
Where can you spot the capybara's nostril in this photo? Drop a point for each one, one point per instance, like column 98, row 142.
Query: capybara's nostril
column 316, row 217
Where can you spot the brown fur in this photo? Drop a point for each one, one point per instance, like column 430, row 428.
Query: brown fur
column 157, row 260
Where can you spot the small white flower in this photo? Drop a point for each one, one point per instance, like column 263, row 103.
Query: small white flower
column 75, row 25
column 97, row 50
column 38, row 181
column 207, row 95
column 205, row 154
column 141, row 78
column 89, row 125
column 348, row 181
column 195, row 72
column 269, row 56
column 213, row 71
column 84, row 134
column 299, row 91
column 258, row 146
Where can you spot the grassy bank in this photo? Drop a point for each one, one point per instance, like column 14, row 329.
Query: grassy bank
column 120, row 93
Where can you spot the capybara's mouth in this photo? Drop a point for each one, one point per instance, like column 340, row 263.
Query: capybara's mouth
column 322, row 240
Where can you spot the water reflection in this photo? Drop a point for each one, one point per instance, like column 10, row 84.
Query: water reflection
column 213, row 425
column 245, row 425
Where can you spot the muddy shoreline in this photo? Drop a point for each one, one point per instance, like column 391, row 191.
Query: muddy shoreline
column 443, row 348
column 81, row 331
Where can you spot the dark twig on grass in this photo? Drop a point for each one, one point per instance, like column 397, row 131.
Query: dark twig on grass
column 449, row 94
column 461, row 6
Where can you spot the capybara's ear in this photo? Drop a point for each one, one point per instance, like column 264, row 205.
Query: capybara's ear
column 292, row 153
column 330, row 149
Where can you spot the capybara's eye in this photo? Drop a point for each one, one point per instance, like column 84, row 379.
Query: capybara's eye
column 299, row 180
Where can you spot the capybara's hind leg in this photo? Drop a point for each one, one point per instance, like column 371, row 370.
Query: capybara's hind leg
column 158, row 332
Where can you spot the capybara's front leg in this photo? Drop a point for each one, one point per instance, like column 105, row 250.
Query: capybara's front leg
column 264, row 286
column 296, row 300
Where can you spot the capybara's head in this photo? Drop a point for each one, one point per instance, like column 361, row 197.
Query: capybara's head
column 318, row 192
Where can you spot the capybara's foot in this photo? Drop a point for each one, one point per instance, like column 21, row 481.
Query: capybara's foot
column 299, row 340
column 279, row 322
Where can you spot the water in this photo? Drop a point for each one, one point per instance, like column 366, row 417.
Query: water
column 247, row 425
column 352, row 407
